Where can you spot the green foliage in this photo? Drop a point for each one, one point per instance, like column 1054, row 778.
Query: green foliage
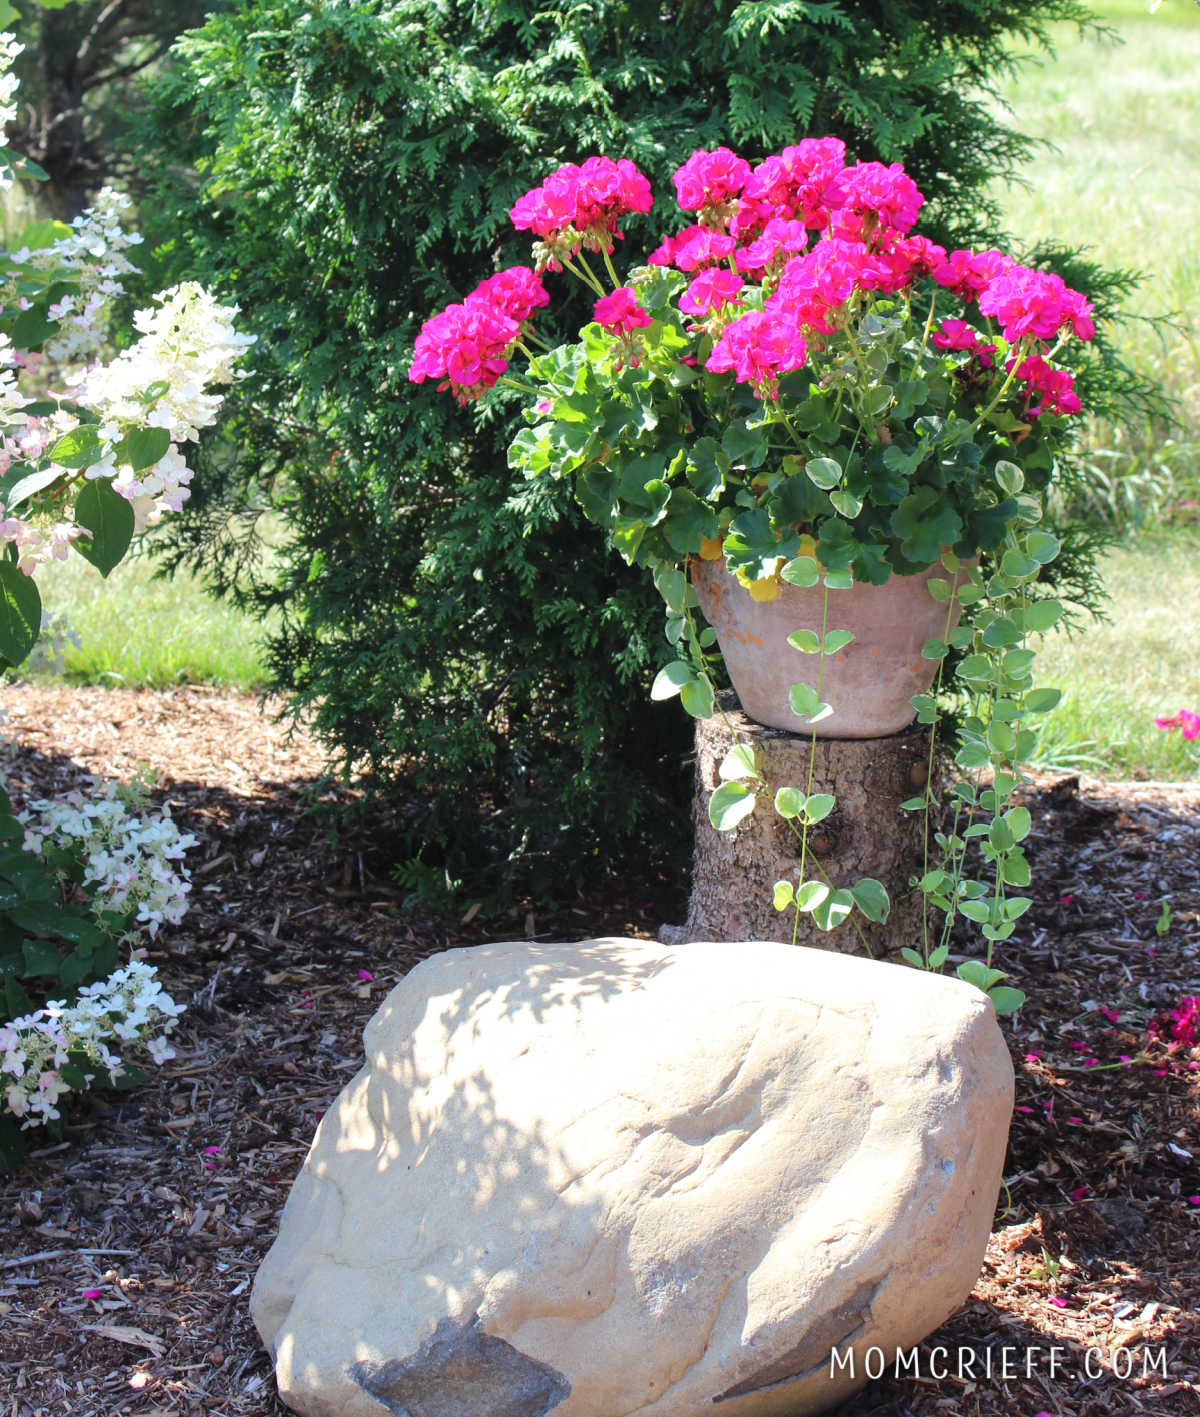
column 463, row 643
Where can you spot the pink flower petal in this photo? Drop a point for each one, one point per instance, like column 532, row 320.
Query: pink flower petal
column 1057, row 1302
column 91, row 1293
column 1079, row 1192
column 212, row 1151
column 365, row 976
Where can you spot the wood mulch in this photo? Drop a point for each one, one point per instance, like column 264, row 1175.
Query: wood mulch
column 127, row 1251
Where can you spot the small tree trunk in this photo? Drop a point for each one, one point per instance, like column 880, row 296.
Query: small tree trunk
column 734, row 873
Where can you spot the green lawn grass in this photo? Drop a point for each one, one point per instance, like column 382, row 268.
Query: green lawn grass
column 1121, row 176
column 1117, row 677
column 139, row 631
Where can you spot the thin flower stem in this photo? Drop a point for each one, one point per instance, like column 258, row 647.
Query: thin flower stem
column 608, row 266
column 517, row 384
column 583, row 273
column 592, row 276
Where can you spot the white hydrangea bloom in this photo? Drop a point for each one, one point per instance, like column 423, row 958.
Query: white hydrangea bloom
column 188, row 347
column 126, row 856
column 9, row 49
column 130, row 1004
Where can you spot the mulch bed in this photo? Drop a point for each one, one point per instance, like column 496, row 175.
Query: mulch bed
column 164, row 1200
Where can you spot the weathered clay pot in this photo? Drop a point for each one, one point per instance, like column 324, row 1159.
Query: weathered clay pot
column 869, row 684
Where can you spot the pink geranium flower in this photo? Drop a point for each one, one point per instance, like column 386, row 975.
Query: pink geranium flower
column 582, row 204
column 801, row 182
column 710, row 179
column 957, row 334
column 710, row 290
column 1038, row 303
column 969, row 273
column 703, row 247
column 621, row 312
column 886, row 196
column 1055, row 386
column 515, row 293
column 758, row 348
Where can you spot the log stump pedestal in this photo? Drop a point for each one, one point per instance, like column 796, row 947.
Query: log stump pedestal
column 734, row 873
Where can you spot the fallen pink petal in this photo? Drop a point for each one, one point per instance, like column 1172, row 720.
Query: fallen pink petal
column 365, row 976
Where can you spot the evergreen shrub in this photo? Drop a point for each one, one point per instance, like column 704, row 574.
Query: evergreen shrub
column 465, row 644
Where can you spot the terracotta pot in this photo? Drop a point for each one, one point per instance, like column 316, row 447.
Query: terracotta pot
column 869, row 684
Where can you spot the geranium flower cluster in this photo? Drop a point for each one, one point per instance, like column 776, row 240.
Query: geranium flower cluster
column 128, row 1007
column 578, row 208
column 761, row 292
column 128, row 857
column 1185, row 720
column 467, row 346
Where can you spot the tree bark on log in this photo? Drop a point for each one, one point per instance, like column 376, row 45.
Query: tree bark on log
column 734, row 873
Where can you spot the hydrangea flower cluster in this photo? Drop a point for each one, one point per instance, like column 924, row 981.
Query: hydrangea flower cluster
column 93, row 258
column 128, row 858
column 129, row 1006
column 9, row 49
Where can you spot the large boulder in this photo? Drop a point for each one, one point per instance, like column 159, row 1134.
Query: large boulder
column 618, row 1176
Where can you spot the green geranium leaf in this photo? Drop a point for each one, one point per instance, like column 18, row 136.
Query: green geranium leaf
column 745, row 445
column 784, row 895
column 688, row 522
column 730, row 804
column 837, row 639
column 806, row 641
column 934, row 649
column 707, row 465
column 823, row 472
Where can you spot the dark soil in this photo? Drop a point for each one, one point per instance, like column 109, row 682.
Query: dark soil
column 165, row 1199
